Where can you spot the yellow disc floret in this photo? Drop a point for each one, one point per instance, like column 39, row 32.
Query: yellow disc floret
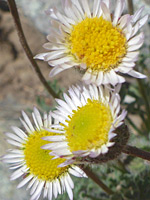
column 89, row 126
column 39, row 161
column 97, row 43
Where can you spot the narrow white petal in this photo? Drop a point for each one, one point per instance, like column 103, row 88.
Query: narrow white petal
column 19, row 132
column 57, row 69
column 38, row 117
column 27, row 120
column 124, row 20
column 69, row 180
column 111, row 135
column 68, row 189
column 38, row 190
column 34, row 187
column 60, row 61
column 58, row 186
column 56, row 138
column 15, row 137
column 136, row 74
column 99, row 78
column 55, row 146
column 136, row 40
column 87, row 75
column 14, row 143
column 55, row 191
column 113, row 77
column 8, row 156
column 118, row 11
column 31, row 183
column 40, row 56
column 137, row 15
column 143, row 20
column 19, row 172
column 25, row 181
column 35, row 121
column 25, row 126
column 110, row 144
column 96, row 7
column 104, row 149
column 50, row 193
column 45, row 120
column 106, row 12
column 45, row 193
column 86, row 8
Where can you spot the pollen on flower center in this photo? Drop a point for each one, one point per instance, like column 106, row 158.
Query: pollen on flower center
column 97, row 43
column 88, row 127
column 39, row 161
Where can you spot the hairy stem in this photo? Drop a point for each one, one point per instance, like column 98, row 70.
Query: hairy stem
column 133, row 151
column 95, row 178
column 130, row 7
column 15, row 15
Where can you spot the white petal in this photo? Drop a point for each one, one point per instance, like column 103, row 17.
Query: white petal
column 38, row 191
column 142, row 21
column 96, row 7
column 15, row 137
column 27, row 120
column 118, row 11
column 111, row 135
column 55, row 192
column 40, row 56
column 34, row 187
column 137, row 15
column 14, row 143
column 68, row 189
column 25, row 126
column 86, row 8
column 106, row 12
column 56, row 138
column 19, row 132
column 50, row 193
column 38, row 117
column 99, row 79
column 104, row 149
column 25, row 181
column 136, row 74
column 58, row 69
column 87, row 75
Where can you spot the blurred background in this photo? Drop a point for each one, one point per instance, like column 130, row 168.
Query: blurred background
column 20, row 89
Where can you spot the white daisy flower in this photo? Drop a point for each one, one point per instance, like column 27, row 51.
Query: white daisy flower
column 34, row 164
column 89, row 118
column 101, row 43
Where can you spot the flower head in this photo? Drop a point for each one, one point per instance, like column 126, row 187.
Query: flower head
column 34, row 164
column 88, row 119
column 102, row 43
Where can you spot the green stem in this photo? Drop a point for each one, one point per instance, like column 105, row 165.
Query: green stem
column 15, row 15
column 122, row 166
column 144, row 95
column 95, row 178
column 134, row 126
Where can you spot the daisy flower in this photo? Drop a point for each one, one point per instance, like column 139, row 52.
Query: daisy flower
column 103, row 44
column 34, row 164
column 88, row 119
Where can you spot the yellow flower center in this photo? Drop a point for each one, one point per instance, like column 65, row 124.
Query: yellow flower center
column 89, row 126
column 98, row 44
column 39, row 161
